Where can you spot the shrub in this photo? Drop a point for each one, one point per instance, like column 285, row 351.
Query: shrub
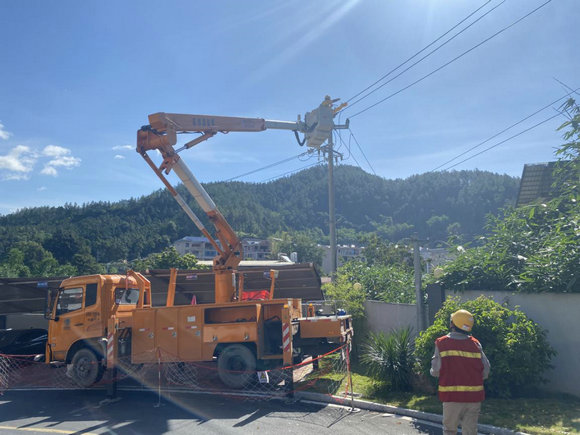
column 515, row 345
column 390, row 358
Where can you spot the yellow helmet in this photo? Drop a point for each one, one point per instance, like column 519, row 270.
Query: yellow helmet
column 463, row 320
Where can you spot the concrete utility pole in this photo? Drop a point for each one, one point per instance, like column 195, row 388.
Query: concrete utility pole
column 331, row 215
column 418, row 295
column 322, row 125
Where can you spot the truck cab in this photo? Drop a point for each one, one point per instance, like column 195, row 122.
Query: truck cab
column 79, row 310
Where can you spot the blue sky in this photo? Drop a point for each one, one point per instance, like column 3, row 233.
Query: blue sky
column 78, row 79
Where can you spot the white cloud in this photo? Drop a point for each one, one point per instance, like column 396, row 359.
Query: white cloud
column 20, row 161
column 41, row 189
column 55, row 151
column 123, row 147
column 49, row 170
column 14, row 177
column 119, row 156
column 3, row 133
column 61, row 158
column 17, row 163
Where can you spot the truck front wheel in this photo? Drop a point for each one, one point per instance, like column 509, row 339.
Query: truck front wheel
column 236, row 366
column 86, row 368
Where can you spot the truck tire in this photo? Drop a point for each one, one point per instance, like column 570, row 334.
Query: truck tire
column 236, row 366
column 86, row 368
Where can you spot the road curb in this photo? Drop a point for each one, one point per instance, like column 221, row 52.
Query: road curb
column 379, row 407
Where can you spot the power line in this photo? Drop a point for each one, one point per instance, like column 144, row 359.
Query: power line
column 424, row 57
column 572, row 91
column 269, row 166
column 452, row 60
column 503, row 131
column 361, row 150
column 417, row 53
column 505, row 140
column 343, row 144
column 350, row 154
column 290, row 172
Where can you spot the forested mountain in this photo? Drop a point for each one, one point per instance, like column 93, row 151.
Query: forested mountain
column 432, row 205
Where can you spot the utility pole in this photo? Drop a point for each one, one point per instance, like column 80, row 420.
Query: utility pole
column 418, row 295
column 331, row 215
column 320, row 126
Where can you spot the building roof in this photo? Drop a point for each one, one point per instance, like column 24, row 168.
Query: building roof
column 193, row 239
column 536, row 183
column 28, row 295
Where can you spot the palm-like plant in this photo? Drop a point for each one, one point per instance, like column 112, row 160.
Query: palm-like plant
column 391, row 357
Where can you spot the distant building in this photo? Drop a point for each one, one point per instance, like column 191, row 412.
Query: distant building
column 434, row 257
column 254, row 249
column 198, row 246
column 344, row 253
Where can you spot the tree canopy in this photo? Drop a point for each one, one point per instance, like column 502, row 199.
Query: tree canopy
column 88, row 237
column 533, row 248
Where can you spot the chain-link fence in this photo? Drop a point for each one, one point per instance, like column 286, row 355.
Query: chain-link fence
column 326, row 374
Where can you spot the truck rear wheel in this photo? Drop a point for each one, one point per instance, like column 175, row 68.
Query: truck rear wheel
column 86, row 368
column 236, row 366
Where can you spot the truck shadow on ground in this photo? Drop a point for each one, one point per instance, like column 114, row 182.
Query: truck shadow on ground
column 82, row 411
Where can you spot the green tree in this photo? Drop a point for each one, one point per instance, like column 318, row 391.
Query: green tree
column 378, row 251
column 135, row 228
column 64, row 244
column 387, row 283
column 301, row 242
column 568, row 170
column 350, row 296
column 346, row 294
column 167, row 259
column 41, row 262
column 533, row 248
column 30, row 259
column 387, row 228
column 13, row 265
column 86, row 264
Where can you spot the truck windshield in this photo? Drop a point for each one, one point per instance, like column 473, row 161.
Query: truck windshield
column 69, row 299
column 126, row 296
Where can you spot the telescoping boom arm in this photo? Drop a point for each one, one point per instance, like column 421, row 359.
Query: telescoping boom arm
column 161, row 135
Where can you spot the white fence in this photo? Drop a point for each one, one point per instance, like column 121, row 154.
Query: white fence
column 558, row 313
column 384, row 317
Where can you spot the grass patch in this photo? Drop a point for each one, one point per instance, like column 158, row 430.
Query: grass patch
column 543, row 414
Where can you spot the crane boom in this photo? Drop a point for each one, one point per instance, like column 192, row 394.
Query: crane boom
column 161, row 135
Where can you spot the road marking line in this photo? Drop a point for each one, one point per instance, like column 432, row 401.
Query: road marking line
column 44, row 430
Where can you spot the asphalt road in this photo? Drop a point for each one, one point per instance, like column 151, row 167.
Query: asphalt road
column 142, row 412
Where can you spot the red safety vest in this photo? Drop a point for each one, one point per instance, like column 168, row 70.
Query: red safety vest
column 461, row 373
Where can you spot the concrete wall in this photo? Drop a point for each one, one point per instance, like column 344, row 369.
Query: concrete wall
column 384, row 317
column 558, row 313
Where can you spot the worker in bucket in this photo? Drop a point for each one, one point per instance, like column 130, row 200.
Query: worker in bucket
column 461, row 366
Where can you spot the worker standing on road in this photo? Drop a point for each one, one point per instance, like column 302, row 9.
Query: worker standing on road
column 461, row 366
